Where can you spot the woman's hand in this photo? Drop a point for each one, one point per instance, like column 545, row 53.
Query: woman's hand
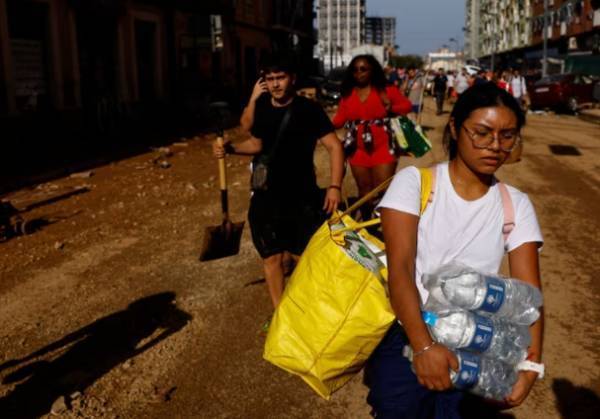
column 521, row 388
column 332, row 200
column 432, row 367
column 260, row 87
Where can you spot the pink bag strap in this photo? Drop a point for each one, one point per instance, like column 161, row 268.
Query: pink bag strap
column 509, row 211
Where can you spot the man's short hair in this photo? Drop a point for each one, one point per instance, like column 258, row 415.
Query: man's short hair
column 277, row 64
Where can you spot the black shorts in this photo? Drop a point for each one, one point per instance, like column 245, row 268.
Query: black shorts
column 277, row 225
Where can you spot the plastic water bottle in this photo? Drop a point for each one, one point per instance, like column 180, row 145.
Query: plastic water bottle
column 491, row 337
column 463, row 287
column 483, row 376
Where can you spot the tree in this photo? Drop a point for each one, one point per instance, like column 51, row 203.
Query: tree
column 407, row 61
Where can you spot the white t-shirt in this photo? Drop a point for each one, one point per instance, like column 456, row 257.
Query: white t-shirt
column 519, row 87
column 453, row 229
column 461, row 83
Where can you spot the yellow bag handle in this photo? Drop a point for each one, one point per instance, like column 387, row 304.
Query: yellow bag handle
column 336, row 219
column 427, row 185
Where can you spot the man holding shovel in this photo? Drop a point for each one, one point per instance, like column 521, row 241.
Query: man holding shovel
column 287, row 206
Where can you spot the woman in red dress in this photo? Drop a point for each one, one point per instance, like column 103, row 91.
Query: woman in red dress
column 366, row 101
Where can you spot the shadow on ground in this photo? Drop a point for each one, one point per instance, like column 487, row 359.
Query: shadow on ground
column 13, row 223
column 77, row 360
column 575, row 402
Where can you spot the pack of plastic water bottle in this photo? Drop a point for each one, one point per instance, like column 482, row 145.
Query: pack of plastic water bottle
column 458, row 286
column 485, row 320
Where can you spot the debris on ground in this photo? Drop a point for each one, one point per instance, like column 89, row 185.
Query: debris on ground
column 59, row 406
column 82, row 175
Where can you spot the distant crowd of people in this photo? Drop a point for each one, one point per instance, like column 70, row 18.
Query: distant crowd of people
column 450, row 84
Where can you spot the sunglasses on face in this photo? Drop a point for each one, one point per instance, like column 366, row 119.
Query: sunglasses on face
column 361, row 69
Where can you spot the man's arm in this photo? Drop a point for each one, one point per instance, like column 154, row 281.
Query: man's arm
column 247, row 119
column 336, row 163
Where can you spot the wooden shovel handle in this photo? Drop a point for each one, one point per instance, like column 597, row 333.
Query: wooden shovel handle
column 222, row 172
column 223, row 184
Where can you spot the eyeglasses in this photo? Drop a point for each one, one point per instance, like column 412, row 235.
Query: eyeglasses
column 507, row 139
column 361, row 69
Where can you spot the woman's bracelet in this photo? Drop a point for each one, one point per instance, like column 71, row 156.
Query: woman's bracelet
column 339, row 188
column 425, row 349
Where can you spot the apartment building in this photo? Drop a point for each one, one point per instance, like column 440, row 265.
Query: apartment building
column 573, row 25
column 341, row 27
column 502, row 25
column 380, row 31
column 511, row 31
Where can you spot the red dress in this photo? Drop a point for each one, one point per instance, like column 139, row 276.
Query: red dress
column 352, row 109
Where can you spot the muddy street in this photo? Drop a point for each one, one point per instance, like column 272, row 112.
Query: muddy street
column 106, row 311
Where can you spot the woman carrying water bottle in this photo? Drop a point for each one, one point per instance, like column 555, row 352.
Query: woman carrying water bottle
column 463, row 223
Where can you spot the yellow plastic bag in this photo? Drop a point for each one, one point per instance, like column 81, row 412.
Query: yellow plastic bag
column 335, row 309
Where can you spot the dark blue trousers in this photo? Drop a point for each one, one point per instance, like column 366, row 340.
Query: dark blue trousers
column 395, row 392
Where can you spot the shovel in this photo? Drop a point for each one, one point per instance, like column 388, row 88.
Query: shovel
column 222, row 240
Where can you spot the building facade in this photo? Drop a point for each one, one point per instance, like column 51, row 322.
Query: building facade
column 573, row 25
column 494, row 26
column 509, row 33
column 341, row 28
column 380, row 31
column 102, row 61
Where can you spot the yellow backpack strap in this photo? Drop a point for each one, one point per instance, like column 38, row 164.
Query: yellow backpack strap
column 427, row 186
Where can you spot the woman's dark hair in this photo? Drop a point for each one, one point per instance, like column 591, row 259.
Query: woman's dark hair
column 378, row 79
column 483, row 95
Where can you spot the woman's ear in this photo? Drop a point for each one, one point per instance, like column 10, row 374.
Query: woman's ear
column 453, row 129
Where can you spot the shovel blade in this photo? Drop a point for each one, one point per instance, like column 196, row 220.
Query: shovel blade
column 221, row 241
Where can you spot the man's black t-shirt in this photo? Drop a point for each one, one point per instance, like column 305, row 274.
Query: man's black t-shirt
column 439, row 83
column 291, row 167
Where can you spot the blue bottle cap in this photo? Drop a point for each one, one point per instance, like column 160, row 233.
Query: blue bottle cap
column 430, row 318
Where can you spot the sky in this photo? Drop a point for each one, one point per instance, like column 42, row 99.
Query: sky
column 423, row 26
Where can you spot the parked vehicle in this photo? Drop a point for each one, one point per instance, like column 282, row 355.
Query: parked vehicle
column 331, row 87
column 563, row 91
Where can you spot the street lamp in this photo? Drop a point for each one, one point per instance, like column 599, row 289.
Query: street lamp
column 545, row 44
column 457, row 44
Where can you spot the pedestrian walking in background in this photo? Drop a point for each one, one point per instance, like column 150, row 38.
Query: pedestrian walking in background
column 480, row 78
column 519, row 88
column 503, row 82
column 366, row 101
column 413, row 90
column 288, row 206
column 401, row 76
column 462, row 82
column 440, row 85
column 450, row 83
column 391, row 75
column 463, row 223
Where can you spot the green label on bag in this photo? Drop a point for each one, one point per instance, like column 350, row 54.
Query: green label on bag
column 357, row 250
